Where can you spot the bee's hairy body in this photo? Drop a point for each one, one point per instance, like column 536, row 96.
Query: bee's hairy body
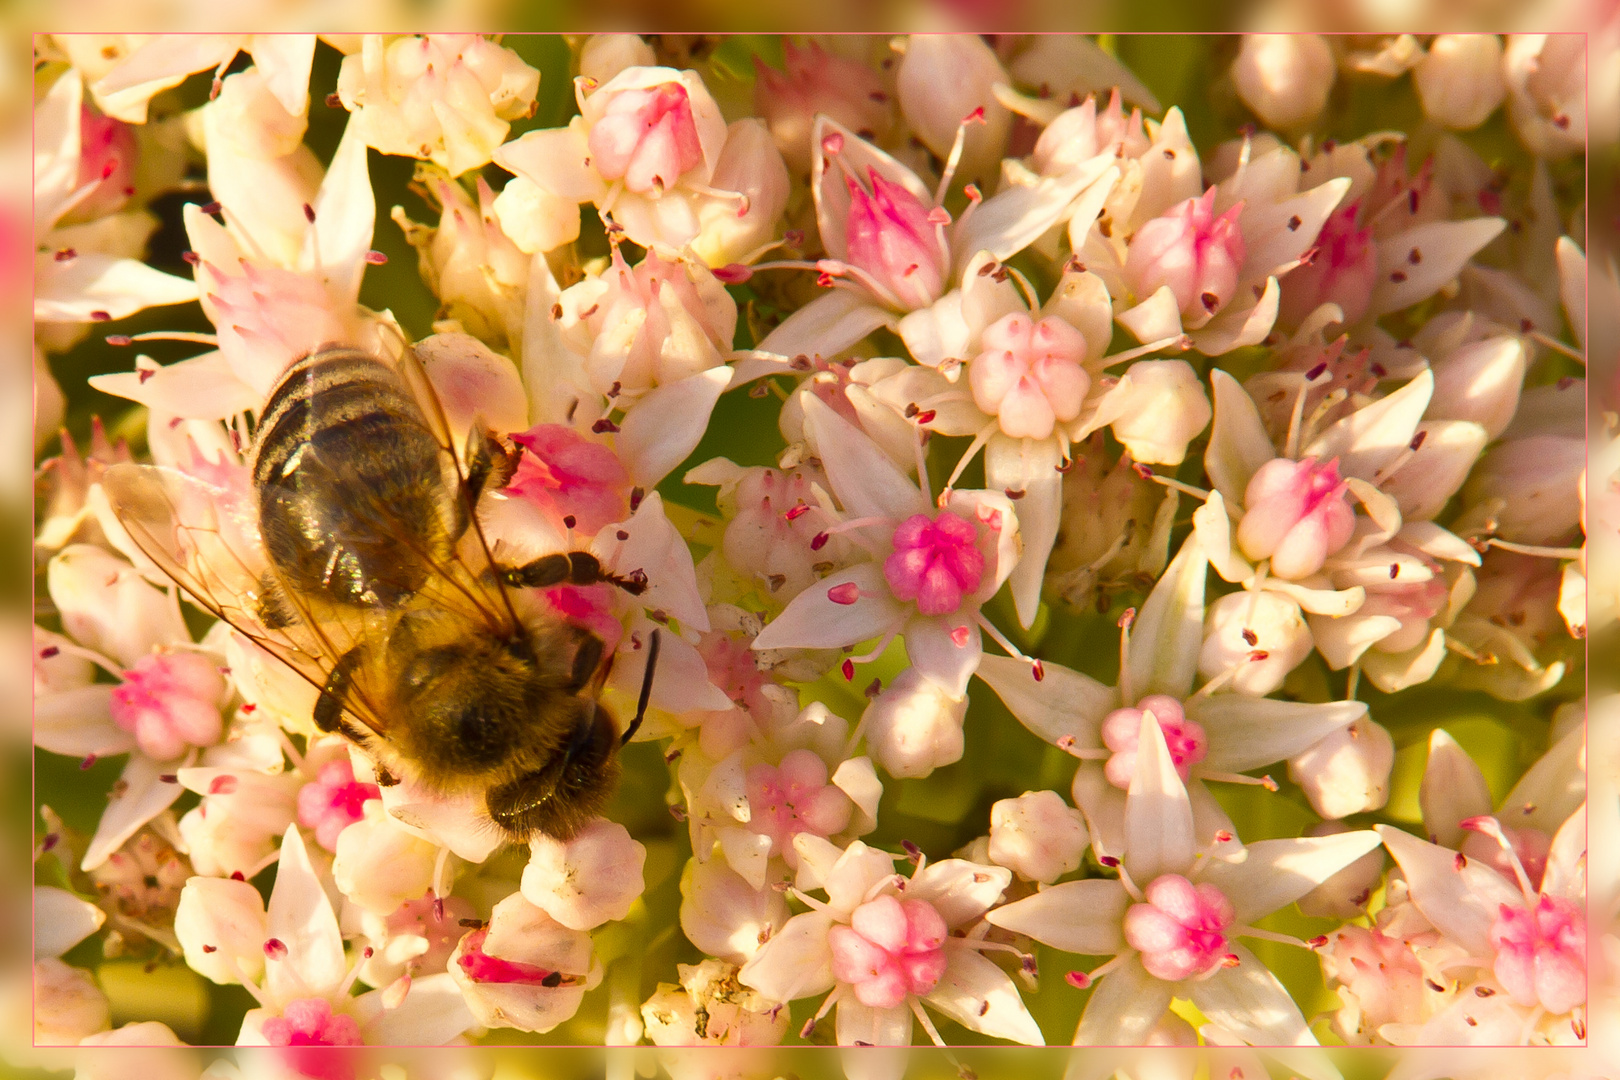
column 363, row 511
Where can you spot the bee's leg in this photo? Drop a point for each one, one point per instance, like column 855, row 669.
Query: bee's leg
column 572, row 567
column 385, row 776
column 646, row 689
column 587, row 658
column 328, row 713
column 489, row 463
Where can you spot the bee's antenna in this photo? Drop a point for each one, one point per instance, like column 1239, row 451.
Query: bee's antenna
column 646, row 688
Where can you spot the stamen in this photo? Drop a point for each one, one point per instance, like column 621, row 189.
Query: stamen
column 1127, row 694
column 1534, row 549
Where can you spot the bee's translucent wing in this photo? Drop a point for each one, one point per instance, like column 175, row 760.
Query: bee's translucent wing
column 205, row 537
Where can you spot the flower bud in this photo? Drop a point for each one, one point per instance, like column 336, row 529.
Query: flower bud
column 1341, row 269
column 253, row 120
column 472, row 266
column 535, row 219
column 1284, row 78
column 1295, row 514
column 106, row 605
column 68, row 1005
column 1193, row 251
column 222, row 926
column 1242, row 624
column 1038, row 836
column 723, row 915
column 913, row 726
column 815, row 83
column 241, row 819
column 379, row 864
column 605, row 55
column 1459, row 80
column 524, row 970
column 1538, row 479
column 1345, row 893
column 1159, row 406
column 1347, row 772
column 1378, row 973
column 1029, row 375
column 943, row 78
column 589, row 880
column 1481, row 382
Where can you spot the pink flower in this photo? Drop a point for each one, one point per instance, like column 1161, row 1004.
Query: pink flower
column 795, row 797
column 311, row 1022
column 646, row 137
column 817, row 82
column 1181, row 928
column 1120, row 733
column 333, row 802
column 570, row 477
column 170, row 701
column 1342, row 271
column 890, row 949
column 1296, row 515
column 1194, row 252
column 1029, row 374
column 894, row 239
column 1541, row 953
column 935, row 562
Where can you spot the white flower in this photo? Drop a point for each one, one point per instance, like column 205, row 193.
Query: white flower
column 589, row 880
column 444, row 97
column 884, row 945
column 1038, row 836
column 523, row 969
column 1284, row 78
column 1174, row 936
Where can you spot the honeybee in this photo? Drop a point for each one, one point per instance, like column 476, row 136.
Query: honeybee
column 361, row 564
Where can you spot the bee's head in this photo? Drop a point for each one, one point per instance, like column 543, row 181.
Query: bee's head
column 561, row 796
column 470, row 705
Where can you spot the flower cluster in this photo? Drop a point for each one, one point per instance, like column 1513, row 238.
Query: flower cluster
column 1045, row 538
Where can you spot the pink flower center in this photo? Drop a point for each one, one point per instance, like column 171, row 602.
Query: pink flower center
column 311, row 1022
column 1194, row 252
column 1342, row 269
column 568, row 475
column 889, row 235
column 935, row 562
column 1541, row 953
column 890, row 950
column 1122, row 730
column 647, row 138
column 795, row 797
column 170, row 701
column 1295, row 515
column 1029, row 374
column 333, row 801
column 106, row 159
column 1181, row 929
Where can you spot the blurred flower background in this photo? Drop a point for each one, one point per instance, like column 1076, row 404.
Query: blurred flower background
column 1514, row 101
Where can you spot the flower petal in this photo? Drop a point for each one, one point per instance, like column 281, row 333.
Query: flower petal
column 1249, row 1001
column 1084, row 917
column 301, row 918
column 1271, row 874
column 1239, row 325
column 667, row 424
column 1238, row 443
column 1167, row 634
column 861, row 1025
column 1017, row 215
column 863, row 478
column 1158, row 814
column 654, row 546
column 1124, row 1007
column 1461, row 901
column 62, row 920
column 90, row 285
column 1445, row 246
column 795, row 963
column 1453, row 790
column 933, row 648
column 142, row 796
column 433, row 1013
column 77, row 722
column 960, row 890
column 201, row 388
column 981, row 997
column 1246, row 733
column 827, row 325
column 345, row 215
column 1029, row 466
column 1063, row 703
column 1551, row 788
column 812, row 620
